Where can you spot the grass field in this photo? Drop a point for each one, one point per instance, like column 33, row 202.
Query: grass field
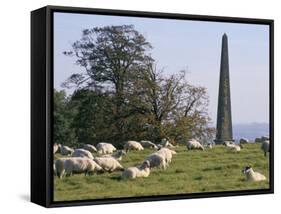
column 190, row 172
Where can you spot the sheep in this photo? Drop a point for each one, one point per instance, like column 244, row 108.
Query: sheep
column 90, row 148
column 65, row 150
column 82, row 153
column 71, row 165
column 166, row 143
column 105, row 148
column 265, row 147
column 167, row 154
column 148, row 144
column 194, row 144
column 133, row 145
column 156, row 160
column 118, row 155
column 209, row 146
column 244, row 141
column 251, row 175
column 137, row 172
column 109, row 164
column 56, row 148
column 232, row 147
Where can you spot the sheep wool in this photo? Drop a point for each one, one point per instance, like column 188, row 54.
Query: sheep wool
column 90, row 148
column 105, row 148
column 109, row 164
column 82, row 153
column 194, row 144
column 133, row 145
column 137, row 172
column 253, row 176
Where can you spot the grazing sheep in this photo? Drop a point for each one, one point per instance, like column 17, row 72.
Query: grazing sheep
column 69, row 166
column 265, row 147
column 137, row 172
column 90, row 148
column 133, row 145
column 209, row 146
column 166, row 143
column 148, row 144
column 194, row 144
column 251, row 175
column 232, row 147
column 156, row 160
column 167, row 154
column 56, row 148
column 243, row 141
column 109, row 164
column 105, row 148
column 65, row 150
column 82, row 153
column 117, row 155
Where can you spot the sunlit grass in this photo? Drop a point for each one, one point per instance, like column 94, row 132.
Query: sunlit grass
column 190, row 172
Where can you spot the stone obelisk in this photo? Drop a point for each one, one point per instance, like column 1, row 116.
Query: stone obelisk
column 224, row 122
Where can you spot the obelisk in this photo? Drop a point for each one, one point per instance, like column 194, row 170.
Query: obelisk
column 224, row 122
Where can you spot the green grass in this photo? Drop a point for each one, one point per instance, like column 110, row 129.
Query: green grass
column 190, row 172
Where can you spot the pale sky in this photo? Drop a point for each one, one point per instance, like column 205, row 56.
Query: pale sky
column 191, row 45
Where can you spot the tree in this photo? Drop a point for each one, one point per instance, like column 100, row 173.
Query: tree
column 63, row 133
column 112, row 57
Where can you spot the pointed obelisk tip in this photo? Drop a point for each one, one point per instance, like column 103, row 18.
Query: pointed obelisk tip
column 224, row 35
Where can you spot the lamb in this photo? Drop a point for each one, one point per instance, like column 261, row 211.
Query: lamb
column 71, row 165
column 65, row 150
column 90, row 148
column 156, row 160
column 133, row 145
column 148, row 144
column 105, row 148
column 251, row 175
column 118, row 155
column 82, row 153
column 232, row 147
column 137, row 172
column 167, row 154
column 194, row 144
column 109, row 164
column 265, row 147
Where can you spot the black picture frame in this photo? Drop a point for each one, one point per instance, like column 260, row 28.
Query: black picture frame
column 42, row 96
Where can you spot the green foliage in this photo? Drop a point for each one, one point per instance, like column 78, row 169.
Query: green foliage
column 62, row 131
column 190, row 172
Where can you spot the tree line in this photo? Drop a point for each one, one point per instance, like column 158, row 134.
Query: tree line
column 120, row 94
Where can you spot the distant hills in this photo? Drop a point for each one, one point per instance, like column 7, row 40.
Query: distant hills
column 250, row 130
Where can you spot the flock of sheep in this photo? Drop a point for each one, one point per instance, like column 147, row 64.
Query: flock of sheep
column 109, row 159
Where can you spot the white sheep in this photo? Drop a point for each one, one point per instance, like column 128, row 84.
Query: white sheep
column 117, row 155
column 148, row 144
column 166, row 143
column 137, row 172
column 90, row 148
column 133, row 145
column 82, row 153
column 71, row 165
column 105, row 148
column 194, row 144
column 167, row 154
column 251, row 175
column 265, row 147
column 156, row 160
column 109, row 164
column 232, row 147
column 65, row 150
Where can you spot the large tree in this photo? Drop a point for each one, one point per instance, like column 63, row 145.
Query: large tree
column 112, row 57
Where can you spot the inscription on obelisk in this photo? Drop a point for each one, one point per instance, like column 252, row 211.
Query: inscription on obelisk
column 224, row 122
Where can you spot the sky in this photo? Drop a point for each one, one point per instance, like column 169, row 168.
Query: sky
column 191, row 45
